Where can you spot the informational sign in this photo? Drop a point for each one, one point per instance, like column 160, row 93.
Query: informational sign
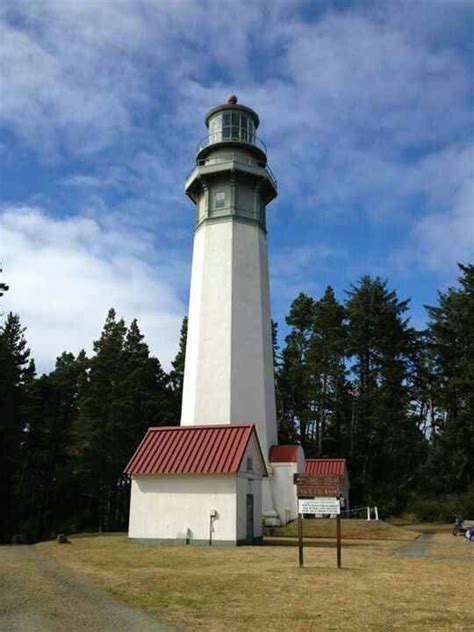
column 321, row 505
column 311, row 485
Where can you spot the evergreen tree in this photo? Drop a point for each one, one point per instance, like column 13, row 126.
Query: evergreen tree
column 177, row 372
column 450, row 339
column 16, row 373
column 326, row 359
column 3, row 286
column 99, row 424
column 46, row 490
column 386, row 441
column 294, row 386
column 276, row 359
column 124, row 392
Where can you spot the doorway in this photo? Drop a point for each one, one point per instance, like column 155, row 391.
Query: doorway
column 249, row 538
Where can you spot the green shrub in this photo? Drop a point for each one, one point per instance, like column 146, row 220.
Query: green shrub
column 444, row 508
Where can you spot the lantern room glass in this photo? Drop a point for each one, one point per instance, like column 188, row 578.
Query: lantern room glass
column 231, row 126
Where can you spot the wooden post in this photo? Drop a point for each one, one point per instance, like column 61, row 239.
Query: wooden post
column 338, row 535
column 300, row 539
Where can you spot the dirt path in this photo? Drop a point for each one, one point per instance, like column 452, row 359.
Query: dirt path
column 39, row 595
column 418, row 548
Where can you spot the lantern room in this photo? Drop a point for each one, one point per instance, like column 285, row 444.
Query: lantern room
column 232, row 123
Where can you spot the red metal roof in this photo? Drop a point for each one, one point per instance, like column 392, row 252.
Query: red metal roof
column 284, row 454
column 325, row 466
column 211, row 449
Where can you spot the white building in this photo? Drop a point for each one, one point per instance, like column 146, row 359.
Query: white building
column 286, row 461
column 197, row 485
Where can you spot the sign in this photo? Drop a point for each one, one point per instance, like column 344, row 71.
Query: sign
column 324, row 505
column 311, row 485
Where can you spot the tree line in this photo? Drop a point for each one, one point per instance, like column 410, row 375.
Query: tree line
column 353, row 379
column 356, row 380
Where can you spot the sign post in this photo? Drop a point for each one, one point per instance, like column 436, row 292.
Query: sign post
column 319, row 495
column 300, row 539
column 338, row 535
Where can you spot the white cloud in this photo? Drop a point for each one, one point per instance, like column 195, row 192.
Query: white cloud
column 444, row 237
column 64, row 274
column 442, row 231
column 365, row 111
column 291, row 272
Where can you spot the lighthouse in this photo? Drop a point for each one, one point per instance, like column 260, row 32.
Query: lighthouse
column 228, row 376
column 221, row 473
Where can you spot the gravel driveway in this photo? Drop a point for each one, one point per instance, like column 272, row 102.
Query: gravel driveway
column 39, row 595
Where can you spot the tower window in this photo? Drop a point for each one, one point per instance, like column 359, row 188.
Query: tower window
column 219, row 199
column 215, row 129
column 231, row 126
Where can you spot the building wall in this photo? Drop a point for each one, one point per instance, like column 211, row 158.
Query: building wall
column 284, row 487
column 209, row 342
column 228, row 374
column 165, row 507
column 250, row 482
column 245, row 486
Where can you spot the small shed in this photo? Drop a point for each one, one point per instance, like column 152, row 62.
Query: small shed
column 286, row 461
column 331, row 467
column 197, row 484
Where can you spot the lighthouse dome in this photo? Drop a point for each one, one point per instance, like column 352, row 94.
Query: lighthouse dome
column 232, row 123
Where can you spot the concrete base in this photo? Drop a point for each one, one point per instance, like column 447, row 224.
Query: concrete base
column 180, row 541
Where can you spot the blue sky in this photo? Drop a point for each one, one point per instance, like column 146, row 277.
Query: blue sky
column 366, row 109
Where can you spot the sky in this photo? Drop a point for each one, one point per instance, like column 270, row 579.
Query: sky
column 366, row 109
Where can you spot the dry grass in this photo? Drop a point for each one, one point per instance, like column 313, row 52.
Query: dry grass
column 421, row 527
column 354, row 529
column 262, row 588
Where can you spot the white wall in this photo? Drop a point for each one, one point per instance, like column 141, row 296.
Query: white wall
column 285, row 491
column 252, row 377
column 284, row 488
column 250, row 482
column 206, row 387
column 164, row 507
column 228, row 375
column 246, row 486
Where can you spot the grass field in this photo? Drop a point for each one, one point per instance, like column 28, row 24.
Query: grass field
column 354, row 529
column 262, row 588
column 421, row 527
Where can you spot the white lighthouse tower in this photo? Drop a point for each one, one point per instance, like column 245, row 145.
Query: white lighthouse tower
column 228, row 375
column 216, row 476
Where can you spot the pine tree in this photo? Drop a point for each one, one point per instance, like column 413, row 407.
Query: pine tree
column 3, row 286
column 100, row 424
column 326, row 359
column 294, row 387
column 177, row 372
column 147, row 397
column 125, row 391
column 46, row 490
column 386, row 441
column 16, row 373
column 450, row 339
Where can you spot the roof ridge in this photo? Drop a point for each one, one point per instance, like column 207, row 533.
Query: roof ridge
column 200, row 426
column 329, row 458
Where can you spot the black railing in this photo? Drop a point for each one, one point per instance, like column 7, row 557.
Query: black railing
column 232, row 135
column 217, row 160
